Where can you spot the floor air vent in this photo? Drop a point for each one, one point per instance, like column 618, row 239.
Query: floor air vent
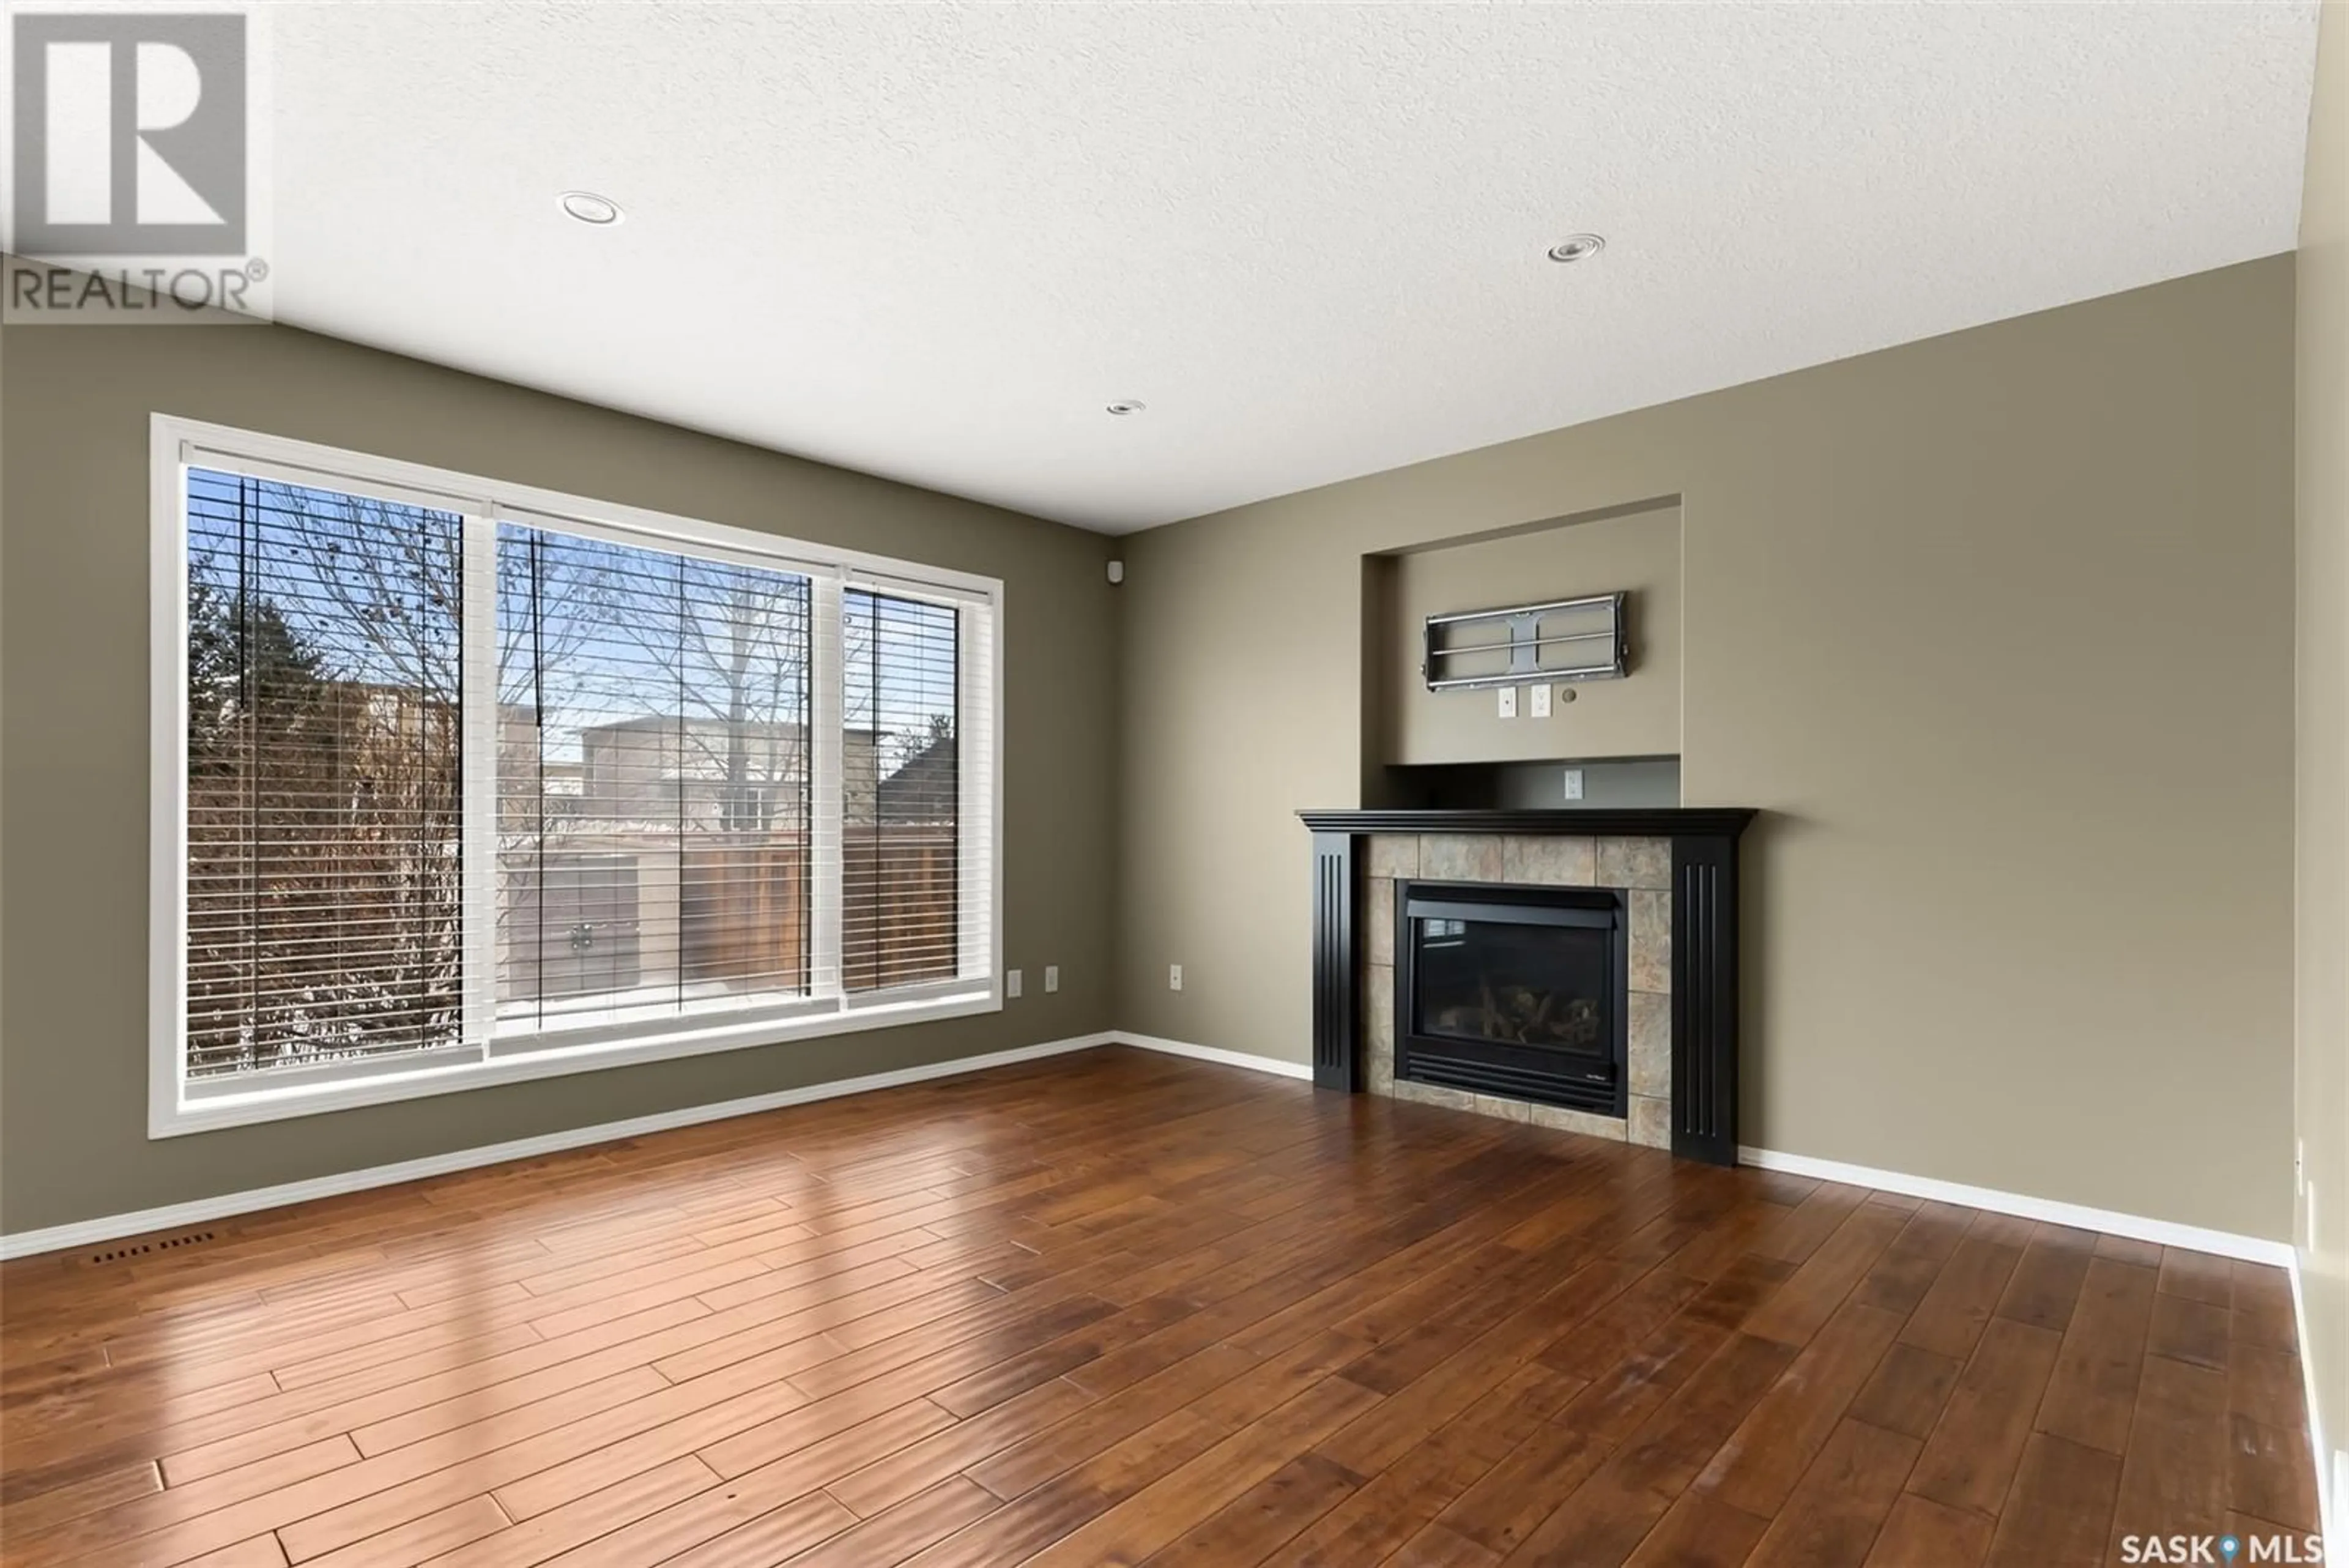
column 144, row 1249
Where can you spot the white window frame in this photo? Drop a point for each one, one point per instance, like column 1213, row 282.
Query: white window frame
column 481, row 1058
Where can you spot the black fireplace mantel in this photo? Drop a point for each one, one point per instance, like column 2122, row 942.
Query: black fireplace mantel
column 1704, row 943
column 1635, row 822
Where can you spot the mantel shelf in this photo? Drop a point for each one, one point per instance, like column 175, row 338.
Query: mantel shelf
column 1671, row 822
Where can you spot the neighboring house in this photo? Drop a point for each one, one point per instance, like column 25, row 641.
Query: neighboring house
column 703, row 775
column 532, row 786
column 697, row 774
column 923, row 788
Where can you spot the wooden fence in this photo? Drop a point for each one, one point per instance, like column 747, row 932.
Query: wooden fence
column 743, row 910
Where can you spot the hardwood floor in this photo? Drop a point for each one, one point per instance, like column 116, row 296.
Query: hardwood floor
column 1118, row 1308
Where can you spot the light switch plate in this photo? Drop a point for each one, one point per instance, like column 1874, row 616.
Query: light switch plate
column 1010, row 983
column 1174, row 977
column 1052, row 977
column 1540, row 701
column 1574, row 783
column 1508, row 701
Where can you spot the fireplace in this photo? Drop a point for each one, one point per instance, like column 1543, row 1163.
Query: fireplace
column 1521, row 992
column 1480, row 961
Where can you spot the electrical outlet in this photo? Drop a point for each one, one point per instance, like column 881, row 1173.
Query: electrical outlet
column 1574, row 783
column 1508, row 701
column 1051, row 978
column 1011, row 982
column 1539, row 703
column 1174, row 977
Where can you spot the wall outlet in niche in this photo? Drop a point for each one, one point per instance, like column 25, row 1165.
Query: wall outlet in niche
column 1573, row 783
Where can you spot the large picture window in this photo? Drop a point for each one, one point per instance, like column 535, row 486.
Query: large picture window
column 460, row 783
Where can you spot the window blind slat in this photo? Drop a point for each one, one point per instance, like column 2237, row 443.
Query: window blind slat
column 321, row 775
column 900, row 873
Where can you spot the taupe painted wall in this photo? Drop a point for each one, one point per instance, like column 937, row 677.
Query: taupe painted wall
column 73, row 407
column 1639, row 716
column 2323, row 1088
column 1982, row 853
column 1996, row 629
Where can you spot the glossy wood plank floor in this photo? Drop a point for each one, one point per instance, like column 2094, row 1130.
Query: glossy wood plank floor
column 1125, row 1308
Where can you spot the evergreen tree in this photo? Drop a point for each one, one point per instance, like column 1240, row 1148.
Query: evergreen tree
column 245, row 661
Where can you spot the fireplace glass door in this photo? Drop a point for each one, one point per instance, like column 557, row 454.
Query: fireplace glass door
column 1514, row 990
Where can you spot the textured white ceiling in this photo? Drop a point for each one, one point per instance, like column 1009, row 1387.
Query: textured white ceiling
column 932, row 241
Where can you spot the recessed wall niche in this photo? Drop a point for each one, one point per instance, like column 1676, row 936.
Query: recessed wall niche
column 1608, row 783
column 1405, row 726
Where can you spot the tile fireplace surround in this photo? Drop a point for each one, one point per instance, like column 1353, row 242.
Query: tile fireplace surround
column 1677, row 869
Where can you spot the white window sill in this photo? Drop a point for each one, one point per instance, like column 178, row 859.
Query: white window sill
column 234, row 1105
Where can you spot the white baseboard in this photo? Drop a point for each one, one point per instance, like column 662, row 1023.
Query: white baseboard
column 1215, row 1053
column 2137, row 1227
column 2329, row 1475
column 176, row 1216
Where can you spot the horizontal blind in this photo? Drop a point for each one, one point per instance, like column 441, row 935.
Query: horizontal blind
column 323, row 775
column 465, row 780
column 979, row 738
column 901, row 763
column 655, row 769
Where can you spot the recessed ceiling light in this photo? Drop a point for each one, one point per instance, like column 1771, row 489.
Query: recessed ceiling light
column 1577, row 247
column 589, row 208
column 1126, row 406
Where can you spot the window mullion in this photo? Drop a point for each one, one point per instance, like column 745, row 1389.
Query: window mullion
column 826, row 806
column 478, row 778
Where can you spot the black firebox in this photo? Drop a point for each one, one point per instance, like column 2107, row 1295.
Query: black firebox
column 1518, row 990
